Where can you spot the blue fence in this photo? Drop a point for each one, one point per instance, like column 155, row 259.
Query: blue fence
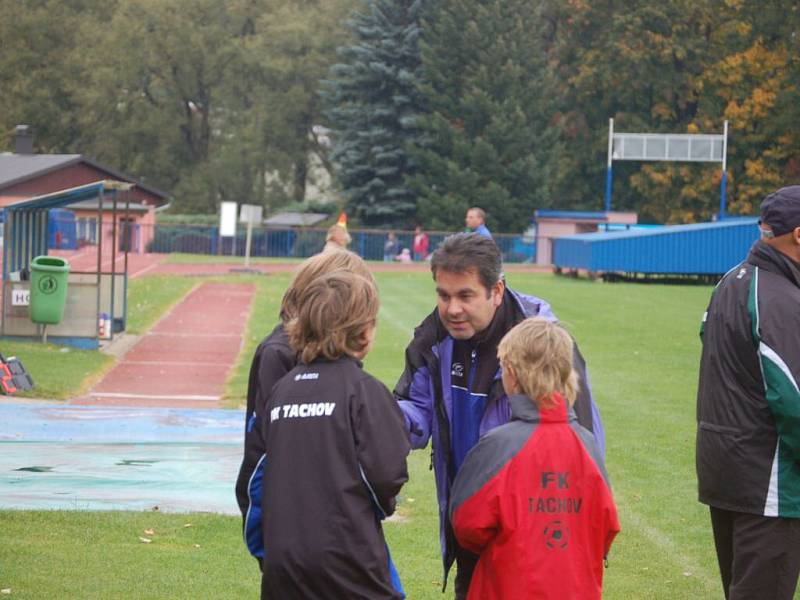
column 67, row 233
column 302, row 243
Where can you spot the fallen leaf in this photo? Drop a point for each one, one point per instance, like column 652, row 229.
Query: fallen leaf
column 197, row 545
column 145, row 540
column 149, row 532
column 5, row 591
column 687, row 573
column 188, row 525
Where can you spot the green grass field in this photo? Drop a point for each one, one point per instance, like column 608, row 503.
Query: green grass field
column 642, row 347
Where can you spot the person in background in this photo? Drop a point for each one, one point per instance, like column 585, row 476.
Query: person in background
column 475, row 222
column 335, row 453
column 404, row 256
column 748, row 411
column 274, row 358
column 532, row 497
column 337, row 238
column 391, row 247
column 420, row 245
column 451, row 388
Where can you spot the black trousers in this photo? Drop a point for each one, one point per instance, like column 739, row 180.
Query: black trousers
column 759, row 557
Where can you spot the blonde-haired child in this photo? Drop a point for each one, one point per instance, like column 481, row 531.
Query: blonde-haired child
column 335, row 453
column 532, row 497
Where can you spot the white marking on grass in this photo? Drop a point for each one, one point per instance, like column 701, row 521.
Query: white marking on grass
column 671, row 550
column 391, row 318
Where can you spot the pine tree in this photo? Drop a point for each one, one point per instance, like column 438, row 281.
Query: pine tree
column 373, row 106
column 486, row 138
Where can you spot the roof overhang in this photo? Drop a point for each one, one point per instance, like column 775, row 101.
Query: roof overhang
column 70, row 196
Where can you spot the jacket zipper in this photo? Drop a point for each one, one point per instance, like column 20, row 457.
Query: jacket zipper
column 471, row 377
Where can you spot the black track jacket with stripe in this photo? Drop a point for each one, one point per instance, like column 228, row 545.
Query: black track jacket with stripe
column 335, row 459
column 748, row 403
column 273, row 358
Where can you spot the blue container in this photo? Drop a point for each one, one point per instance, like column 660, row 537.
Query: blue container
column 62, row 229
column 698, row 249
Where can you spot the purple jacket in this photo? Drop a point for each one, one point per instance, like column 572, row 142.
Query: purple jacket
column 424, row 395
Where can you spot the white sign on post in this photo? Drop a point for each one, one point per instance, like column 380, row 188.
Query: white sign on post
column 227, row 224
column 227, row 219
column 252, row 215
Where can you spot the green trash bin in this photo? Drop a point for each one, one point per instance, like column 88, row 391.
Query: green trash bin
column 48, row 289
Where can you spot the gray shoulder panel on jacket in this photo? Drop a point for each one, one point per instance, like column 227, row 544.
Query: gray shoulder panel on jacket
column 494, row 451
column 587, row 438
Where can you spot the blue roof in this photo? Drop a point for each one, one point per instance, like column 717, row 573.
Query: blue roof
column 66, row 197
column 699, row 248
column 571, row 214
column 666, row 230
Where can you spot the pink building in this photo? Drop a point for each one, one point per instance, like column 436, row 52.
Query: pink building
column 24, row 175
column 551, row 224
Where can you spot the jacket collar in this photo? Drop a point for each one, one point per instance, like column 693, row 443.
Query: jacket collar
column 768, row 258
column 524, row 409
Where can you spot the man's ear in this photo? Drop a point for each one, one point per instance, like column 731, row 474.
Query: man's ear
column 513, row 382
column 497, row 292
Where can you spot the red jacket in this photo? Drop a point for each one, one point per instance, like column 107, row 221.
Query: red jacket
column 420, row 245
column 532, row 498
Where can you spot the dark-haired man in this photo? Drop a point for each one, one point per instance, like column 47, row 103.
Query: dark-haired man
column 451, row 390
column 748, row 410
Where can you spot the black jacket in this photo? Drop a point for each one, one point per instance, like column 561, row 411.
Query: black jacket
column 748, row 403
column 335, row 459
column 273, row 358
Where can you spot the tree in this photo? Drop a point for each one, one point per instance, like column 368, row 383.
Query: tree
column 373, row 107
column 161, row 109
column 634, row 61
column 37, row 70
column 291, row 53
column 487, row 136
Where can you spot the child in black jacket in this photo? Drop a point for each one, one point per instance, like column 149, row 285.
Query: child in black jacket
column 335, row 454
column 274, row 358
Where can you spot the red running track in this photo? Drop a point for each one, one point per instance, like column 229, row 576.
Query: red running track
column 85, row 260
column 184, row 360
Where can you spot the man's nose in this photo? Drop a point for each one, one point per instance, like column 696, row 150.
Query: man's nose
column 454, row 307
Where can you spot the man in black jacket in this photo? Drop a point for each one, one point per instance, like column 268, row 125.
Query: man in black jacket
column 748, row 410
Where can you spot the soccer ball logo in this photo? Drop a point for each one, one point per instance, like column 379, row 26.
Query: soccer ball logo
column 556, row 535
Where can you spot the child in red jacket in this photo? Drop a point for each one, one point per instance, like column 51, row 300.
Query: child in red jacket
column 532, row 497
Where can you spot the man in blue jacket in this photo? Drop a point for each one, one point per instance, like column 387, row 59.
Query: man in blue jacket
column 451, row 390
column 476, row 222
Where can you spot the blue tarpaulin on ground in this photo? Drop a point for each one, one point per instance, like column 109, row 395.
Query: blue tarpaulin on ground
column 56, row 456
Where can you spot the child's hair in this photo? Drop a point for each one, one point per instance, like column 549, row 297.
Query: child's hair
column 336, row 230
column 335, row 312
column 313, row 267
column 540, row 354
